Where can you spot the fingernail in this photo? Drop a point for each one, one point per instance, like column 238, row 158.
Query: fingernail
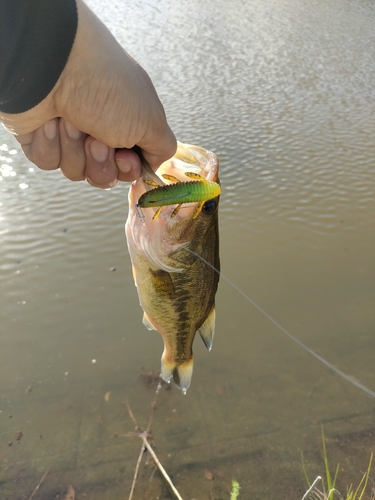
column 108, row 186
column 72, row 131
column 50, row 129
column 99, row 151
column 124, row 165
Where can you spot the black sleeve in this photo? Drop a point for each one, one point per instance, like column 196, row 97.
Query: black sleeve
column 36, row 37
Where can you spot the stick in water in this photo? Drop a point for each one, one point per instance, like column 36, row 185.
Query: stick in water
column 145, row 444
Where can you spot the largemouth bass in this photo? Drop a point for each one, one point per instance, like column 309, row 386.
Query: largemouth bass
column 176, row 288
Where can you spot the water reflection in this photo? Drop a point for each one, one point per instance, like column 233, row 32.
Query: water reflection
column 284, row 94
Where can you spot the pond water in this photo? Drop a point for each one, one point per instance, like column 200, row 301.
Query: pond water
column 283, row 92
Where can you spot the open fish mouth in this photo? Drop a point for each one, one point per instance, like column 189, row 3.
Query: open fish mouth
column 188, row 162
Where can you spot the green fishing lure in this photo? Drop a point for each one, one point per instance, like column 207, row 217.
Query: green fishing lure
column 183, row 192
column 195, row 191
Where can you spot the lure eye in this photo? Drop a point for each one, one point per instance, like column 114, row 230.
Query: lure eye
column 209, row 207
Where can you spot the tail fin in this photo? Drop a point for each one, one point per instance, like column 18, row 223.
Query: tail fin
column 180, row 373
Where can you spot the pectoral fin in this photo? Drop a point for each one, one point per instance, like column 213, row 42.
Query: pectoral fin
column 206, row 331
column 146, row 321
column 162, row 283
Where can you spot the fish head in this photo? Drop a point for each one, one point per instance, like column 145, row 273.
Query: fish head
column 159, row 238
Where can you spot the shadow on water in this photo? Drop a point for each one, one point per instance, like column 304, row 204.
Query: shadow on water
column 283, row 93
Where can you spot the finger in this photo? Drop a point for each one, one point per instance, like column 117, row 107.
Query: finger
column 73, row 156
column 42, row 147
column 24, row 139
column 161, row 147
column 129, row 165
column 101, row 169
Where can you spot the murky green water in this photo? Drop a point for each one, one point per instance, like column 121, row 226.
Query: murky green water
column 283, row 92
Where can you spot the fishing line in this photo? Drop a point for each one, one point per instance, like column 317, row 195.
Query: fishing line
column 292, row 337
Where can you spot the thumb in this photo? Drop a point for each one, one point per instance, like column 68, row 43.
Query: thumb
column 161, row 149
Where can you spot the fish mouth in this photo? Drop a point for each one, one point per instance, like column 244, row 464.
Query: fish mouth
column 188, row 158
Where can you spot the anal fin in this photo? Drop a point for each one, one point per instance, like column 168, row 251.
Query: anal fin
column 206, row 331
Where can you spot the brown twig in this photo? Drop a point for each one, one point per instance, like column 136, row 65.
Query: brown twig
column 131, row 415
column 136, row 472
column 161, row 468
column 144, row 435
column 39, row 484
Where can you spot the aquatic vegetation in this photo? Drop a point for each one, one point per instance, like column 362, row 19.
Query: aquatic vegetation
column 235, row 490
column 328, row 489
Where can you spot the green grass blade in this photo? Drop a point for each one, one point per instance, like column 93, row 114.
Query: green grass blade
column 364, row 480
column 305, row 471
column 235, row 490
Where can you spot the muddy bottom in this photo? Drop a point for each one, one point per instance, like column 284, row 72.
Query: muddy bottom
column 86, row 439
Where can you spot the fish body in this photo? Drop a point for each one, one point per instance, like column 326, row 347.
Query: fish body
column 176, row 287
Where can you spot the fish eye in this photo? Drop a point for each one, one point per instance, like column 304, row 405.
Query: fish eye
column 209, row 207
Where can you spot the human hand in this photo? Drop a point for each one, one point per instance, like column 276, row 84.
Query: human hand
column 102, row 103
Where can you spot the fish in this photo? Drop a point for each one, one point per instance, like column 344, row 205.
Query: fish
column 175, row 259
